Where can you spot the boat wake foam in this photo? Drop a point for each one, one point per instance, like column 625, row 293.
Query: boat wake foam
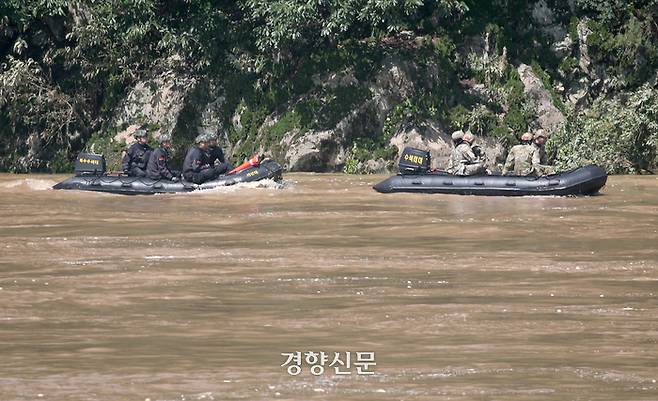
column 268, row 184
column 33, row 184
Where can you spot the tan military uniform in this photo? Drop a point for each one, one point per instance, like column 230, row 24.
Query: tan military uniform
column 453, row 161
column 464, row 162
column 543, row 168
column 542, row 153
column 522, row 160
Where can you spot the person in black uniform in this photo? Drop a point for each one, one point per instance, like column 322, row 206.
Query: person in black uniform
column 195, row 167
column 158, row 166
column 136, row 158
column 215, row 155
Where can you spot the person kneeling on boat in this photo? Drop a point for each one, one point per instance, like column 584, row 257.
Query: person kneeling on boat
column 215, row 156
column 195, row 168
column 463, row 160
column 523, row 159
column 158, row 165
column 545, row 160
column 136, row 158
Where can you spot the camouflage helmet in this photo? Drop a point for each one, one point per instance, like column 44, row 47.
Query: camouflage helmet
column 201, row 138
column 212, row 136
column 140, row 133
column 468, row 137
column 526, row 137
column 164, row 138
column 457, row 135
column 541, row 134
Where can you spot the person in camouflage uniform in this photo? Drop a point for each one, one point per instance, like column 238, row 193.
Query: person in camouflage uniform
column 540, row 140
column 463, row 160
column 544, row 160
column 453, row 161
column 523, row 159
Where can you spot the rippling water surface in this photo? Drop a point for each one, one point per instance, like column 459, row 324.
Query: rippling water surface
column 195, row 297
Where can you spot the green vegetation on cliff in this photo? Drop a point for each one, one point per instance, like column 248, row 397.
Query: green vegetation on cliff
column 66, row 66
column 620, row 134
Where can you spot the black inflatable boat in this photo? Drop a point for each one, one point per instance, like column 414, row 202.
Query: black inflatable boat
column 87, row 179
column 586, row 180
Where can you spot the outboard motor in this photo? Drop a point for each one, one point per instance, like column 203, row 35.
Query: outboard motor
column 89, row 164
column 414, row 161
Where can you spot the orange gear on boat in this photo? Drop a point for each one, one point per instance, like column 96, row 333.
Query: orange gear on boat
column 254, row 161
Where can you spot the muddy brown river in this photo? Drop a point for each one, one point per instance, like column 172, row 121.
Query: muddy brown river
column 196, row 296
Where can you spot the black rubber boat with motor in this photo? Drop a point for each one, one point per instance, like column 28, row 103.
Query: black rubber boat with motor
column 90, row 176
column 415, row 176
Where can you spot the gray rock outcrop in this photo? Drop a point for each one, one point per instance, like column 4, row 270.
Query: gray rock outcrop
column 549, row 117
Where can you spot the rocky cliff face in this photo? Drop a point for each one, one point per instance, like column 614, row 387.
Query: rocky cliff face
column 359, row 115
column 172, row 102
column 372, row 118
column 327, row 149
column 548, row 116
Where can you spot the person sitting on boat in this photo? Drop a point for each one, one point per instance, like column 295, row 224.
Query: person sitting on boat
column 195, row 168
column 136, row 158
column 215, row 156
column 523, row 159
column 158, row 165
column 544, row 159
column 463, row 160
